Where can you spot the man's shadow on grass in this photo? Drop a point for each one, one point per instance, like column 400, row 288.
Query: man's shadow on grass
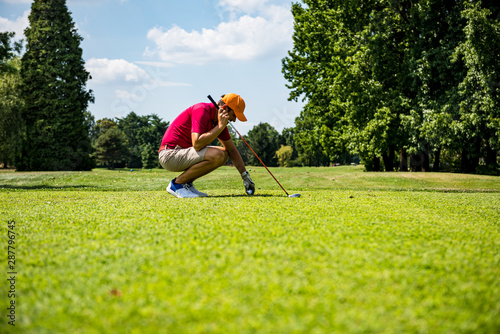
column 241, row 195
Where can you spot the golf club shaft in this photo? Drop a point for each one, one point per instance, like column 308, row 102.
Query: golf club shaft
column 239, row 134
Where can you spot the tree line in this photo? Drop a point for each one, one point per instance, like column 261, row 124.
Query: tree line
column 133, row 141
column 404, row 84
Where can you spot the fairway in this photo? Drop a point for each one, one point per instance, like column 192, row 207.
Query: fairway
column 113, row 252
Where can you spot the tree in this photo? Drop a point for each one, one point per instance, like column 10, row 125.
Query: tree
column 382, row 78
column 287, row 139
column 141, row 131
column 479, row 114
column 284, row 155
column 10, row 102
column 149, row 156
column 9, row 51
column 111, row 145
column 264, row 140
column 242, row 148
column 54, row 91
column 10, row 119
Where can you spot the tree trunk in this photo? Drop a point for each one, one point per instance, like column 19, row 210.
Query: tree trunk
column 491, row 156
column 389, row 160
column 425, row 163
column 387, row 163
column 376, row 164
column 470, row 158
column 437, row 160
column 420, row 162
column 403, row 160
column 415, row 163
column 466, row 162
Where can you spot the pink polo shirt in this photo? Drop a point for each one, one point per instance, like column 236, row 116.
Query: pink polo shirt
column 197, row 118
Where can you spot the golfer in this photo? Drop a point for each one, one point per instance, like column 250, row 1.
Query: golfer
column 184, row 147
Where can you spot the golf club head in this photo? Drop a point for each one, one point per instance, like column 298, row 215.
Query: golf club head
column 294, row 195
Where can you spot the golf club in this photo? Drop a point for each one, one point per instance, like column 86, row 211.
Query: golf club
column 263, row 164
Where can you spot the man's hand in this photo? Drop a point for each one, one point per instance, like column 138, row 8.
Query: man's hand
column 223, row 117
column 248, row 183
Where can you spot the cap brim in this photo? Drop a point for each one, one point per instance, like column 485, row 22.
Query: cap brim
column 241, row 117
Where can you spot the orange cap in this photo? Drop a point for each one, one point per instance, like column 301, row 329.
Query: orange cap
column 235, row 102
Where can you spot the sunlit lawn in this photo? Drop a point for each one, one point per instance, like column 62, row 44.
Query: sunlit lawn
column 113, row 252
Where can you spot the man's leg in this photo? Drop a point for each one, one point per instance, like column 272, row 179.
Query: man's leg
column 214, row 158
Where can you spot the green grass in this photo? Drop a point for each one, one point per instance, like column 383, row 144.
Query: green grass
column 112, row 252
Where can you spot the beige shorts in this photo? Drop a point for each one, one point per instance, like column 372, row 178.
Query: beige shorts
column 179, row 159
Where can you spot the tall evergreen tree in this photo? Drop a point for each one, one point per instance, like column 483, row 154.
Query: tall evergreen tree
column 54, row 90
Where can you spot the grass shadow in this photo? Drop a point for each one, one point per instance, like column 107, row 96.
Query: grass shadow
column 44, row 187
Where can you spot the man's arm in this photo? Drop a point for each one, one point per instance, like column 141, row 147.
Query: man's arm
column 234, row 155
column 201, row 141
column 240, row 166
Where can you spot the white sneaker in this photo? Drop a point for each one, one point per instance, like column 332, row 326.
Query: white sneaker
column 183, row 192
column 195, row 191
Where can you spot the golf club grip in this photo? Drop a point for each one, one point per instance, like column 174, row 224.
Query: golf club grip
column 239, row 134
column 212, row 100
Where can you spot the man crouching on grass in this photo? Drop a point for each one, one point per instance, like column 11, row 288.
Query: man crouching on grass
column 185, row 145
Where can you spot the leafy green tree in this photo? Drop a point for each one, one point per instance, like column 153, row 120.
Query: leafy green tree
column 264, row 140
column 309, row 132
column 141, row 131
column 243, row 149
column 149, row 155
column 284, row 155
column 10, row 118
column 111, row 145
column 103, row 125
column 10, row 102
column 54, row 91
column 479, row 114
column 428, row 126
column 9, row 51
column 382, row 78
column 287, row 139
column 325, row 68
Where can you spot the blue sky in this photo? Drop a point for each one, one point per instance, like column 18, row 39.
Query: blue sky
column 159, row 56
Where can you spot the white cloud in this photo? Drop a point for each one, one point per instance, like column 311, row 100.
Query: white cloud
column 245, row 38
column 154, row 63
column 125, row 95
column 107, row 70
column 16, row 26
column 104, row 71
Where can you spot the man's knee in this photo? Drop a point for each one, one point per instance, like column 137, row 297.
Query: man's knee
column 223, row 156
column 217, row 156
column 224, row 159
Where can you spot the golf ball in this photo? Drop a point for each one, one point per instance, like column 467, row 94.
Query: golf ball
column 250, row 192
